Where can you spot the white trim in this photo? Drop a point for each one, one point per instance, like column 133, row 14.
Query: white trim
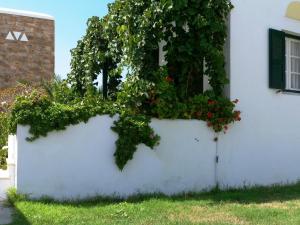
column 288, row 63
column 288, row 56
column 291, row 33
column 25, row 13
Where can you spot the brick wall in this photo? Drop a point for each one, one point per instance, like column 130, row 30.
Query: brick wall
column 26, row 49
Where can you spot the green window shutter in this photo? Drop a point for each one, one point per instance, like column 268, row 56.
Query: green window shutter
column 277, row 59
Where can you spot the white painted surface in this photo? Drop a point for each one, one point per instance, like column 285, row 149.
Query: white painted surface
column 7, row 177
column 10, row 36
column 25, row 13
column 162, row 53
column 79, row 162
column 4, row 184
column 24, row 38
column 264, row 148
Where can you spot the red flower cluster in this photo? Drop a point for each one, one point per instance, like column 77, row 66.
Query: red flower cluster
column 237, row 115
column 211, row 102
column 169, row 79
column 220, row 113
column 210, row 115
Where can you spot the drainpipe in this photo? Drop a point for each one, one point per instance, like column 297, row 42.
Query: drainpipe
column 217, row 159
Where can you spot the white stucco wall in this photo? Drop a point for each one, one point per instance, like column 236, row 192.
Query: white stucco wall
column 79, row 162
column 264, row 148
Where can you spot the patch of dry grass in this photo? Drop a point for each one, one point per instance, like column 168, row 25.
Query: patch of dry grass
column 205, row 215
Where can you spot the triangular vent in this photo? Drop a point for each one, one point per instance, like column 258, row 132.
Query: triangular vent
column 24, row 38
column 10, row 36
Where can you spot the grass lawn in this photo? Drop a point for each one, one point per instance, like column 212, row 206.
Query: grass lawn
column 261, row 206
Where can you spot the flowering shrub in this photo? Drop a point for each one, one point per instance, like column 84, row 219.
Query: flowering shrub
column 136, row 103
column 7, row 97
column 218, row 112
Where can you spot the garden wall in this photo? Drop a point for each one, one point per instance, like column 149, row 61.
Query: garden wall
column 79, row 162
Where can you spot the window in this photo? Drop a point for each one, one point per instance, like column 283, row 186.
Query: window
column 292, row 64
column 284, row 61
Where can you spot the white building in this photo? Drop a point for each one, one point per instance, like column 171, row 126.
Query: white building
column 264, row 68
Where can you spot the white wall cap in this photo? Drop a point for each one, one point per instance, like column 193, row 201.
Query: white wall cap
column 25, row 13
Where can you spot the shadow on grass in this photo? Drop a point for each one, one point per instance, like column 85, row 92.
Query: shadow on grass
column 245, row 196
column 18, row 218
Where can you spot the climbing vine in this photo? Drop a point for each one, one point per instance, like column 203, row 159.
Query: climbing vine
column 132, row 130
column 192, row 33
column 92, row 57
column 138, row 101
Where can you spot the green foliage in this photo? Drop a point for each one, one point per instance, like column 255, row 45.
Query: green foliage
column 160, row 100
column 196, row 35
column 194, row 32
column 134, row 95
column 128, row 37
column 164, row 101
column 58, row 90
column 62, row 107
column 13, row 196
column 92, row 57
column 45, row 115
column 132, row 130
column 134, row 28
column 3, row 157
column 136, row 103
column 3, row 139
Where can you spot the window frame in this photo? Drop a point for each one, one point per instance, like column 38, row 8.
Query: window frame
column 287, row 76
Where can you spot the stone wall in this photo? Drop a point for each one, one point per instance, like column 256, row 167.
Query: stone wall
column 26, row 49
